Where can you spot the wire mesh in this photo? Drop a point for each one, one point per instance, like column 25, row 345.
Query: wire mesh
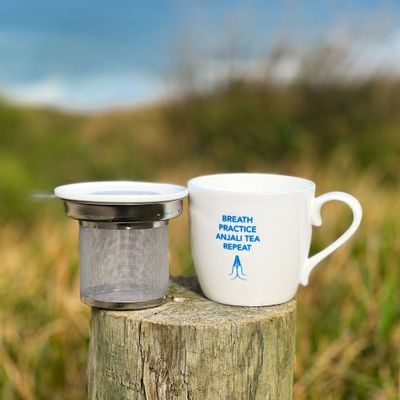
column 124, row 265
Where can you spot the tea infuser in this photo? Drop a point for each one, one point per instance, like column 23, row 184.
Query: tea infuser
column 123, row 230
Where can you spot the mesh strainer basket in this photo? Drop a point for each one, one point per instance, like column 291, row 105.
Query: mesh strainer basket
column 123, row 236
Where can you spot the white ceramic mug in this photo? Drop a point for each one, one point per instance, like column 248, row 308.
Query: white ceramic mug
column 251, row 233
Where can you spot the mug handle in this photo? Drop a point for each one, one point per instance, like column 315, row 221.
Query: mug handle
column 316, row 206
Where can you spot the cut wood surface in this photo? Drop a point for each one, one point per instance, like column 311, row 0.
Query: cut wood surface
column 192, row 348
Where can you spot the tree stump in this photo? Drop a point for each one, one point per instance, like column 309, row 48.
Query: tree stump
column 192, row 348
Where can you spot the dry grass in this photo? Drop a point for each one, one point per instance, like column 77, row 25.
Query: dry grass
column 348, row 317
column 43, row 325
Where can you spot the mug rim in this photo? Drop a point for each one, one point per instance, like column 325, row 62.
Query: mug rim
column 305, row 184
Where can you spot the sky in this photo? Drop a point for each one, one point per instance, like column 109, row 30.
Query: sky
column 96, row 54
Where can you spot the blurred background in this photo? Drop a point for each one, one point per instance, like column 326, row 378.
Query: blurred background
column 164, row 91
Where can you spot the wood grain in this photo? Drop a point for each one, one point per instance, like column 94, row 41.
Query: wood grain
column 192, row 348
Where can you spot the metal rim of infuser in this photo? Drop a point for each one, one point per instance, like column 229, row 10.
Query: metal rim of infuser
column 123, row 240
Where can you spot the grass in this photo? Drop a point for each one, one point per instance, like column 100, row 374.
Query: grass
column 344, row 138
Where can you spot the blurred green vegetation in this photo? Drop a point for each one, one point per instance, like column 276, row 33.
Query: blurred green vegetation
column 244, row 124
column 239, row 126
column 344, row 137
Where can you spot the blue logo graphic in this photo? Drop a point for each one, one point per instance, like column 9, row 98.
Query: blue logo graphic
column 237, row 269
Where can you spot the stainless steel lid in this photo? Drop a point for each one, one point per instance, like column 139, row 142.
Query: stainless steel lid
column 122, row 201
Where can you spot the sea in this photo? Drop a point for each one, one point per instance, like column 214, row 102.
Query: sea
column 99, row 54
